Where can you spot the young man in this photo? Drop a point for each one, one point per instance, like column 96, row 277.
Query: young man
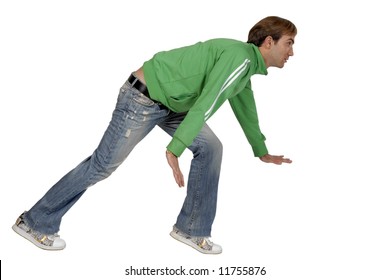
column 178, row 90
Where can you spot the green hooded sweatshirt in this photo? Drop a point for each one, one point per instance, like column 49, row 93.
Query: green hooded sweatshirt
column 197, row 79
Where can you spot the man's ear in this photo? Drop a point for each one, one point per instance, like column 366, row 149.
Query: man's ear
column 268, row 41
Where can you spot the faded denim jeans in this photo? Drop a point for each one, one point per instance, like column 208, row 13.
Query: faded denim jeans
column 134, row 117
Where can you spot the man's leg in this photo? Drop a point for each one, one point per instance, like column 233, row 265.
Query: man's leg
column 199, row 208
column 134, row 117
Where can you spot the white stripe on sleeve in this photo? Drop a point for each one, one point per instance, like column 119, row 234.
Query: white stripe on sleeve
column 234, row 75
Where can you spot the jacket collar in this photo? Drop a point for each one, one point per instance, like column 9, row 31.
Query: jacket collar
column 261, row 66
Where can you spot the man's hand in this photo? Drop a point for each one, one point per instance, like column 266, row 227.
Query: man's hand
column 173, row 162
column 275, row 159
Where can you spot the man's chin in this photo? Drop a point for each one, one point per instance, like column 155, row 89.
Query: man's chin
column 281, row 65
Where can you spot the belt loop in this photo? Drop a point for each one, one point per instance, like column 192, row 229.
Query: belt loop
column 135, row 80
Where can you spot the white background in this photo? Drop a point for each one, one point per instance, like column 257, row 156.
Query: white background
column 323, row 217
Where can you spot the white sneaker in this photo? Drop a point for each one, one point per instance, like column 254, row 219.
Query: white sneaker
column 43, row 241
column 201, row 244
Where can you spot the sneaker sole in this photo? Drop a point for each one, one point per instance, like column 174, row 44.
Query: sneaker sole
column 189, row 243
column 24, row 234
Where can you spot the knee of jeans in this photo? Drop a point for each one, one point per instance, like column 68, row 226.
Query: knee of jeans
column 103, row 167
column 212, row 148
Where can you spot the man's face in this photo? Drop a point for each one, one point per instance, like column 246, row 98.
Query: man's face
column 281, row 50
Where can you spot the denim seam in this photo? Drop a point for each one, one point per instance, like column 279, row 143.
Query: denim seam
column 197, row 192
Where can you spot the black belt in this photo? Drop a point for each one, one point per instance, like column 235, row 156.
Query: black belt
column 136, row 83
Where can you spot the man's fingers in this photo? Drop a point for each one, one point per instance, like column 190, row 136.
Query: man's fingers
column 180, row 181
column 275, row 159
column 179, row 178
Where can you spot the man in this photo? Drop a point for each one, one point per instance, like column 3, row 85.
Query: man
column 178, row 90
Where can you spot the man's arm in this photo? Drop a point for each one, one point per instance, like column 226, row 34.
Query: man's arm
column 224, row 80
column 245, row 111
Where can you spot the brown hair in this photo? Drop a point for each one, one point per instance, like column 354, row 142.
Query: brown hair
column 271, row 26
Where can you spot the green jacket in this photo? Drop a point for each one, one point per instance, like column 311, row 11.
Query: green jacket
column 197, row 79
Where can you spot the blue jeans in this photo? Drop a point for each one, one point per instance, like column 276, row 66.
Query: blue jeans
column 134, row 117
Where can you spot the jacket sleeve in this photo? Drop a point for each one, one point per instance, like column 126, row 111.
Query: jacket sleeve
column 244, row 108
column 224, row 80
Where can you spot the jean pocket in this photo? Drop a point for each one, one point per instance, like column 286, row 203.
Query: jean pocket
column 141, row 99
